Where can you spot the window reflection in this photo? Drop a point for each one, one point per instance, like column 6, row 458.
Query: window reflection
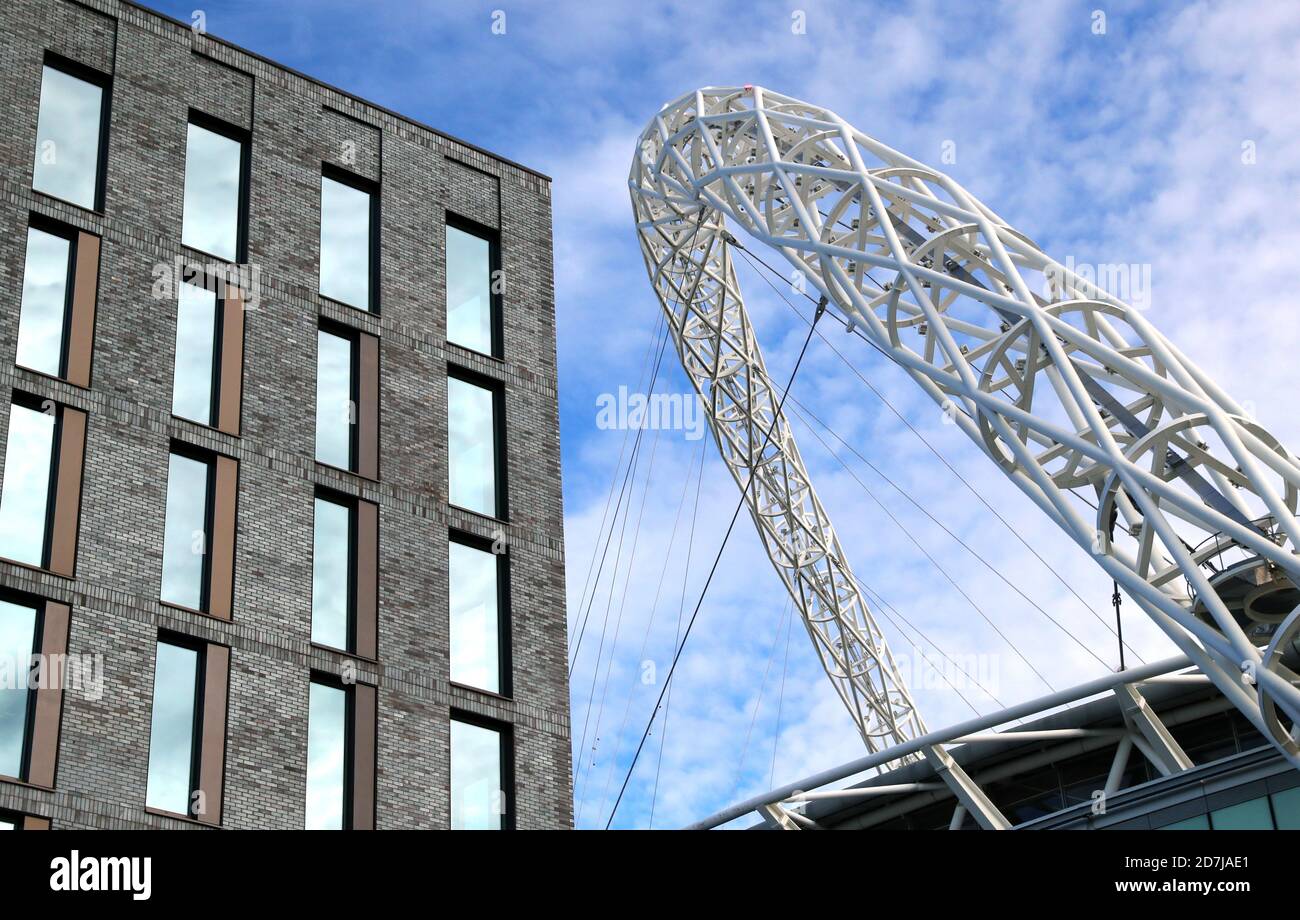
column 196, row 337
column 171, row 737
column 185, row 537
column 475, row 628
column 213, row 164
column 335, row 406
column 17, row 643
column 45, row 301
column 24, row 501
column 67, row 138
column 326, row 757
column 469, row 290
column 331, row 588
column 471, row 447
column 344, row 243
column 477, row 797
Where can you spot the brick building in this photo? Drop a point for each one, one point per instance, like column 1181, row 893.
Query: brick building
column 281, row 480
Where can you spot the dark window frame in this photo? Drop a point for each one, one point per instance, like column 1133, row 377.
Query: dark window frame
column 506, row 738
column 323, row 493
column 195, row 276
column 371, row 188
column 209, row 459
column 492, row 236
column 104, row 81
column 349, row 735
column 353, row 337
column 501, row 512
column 200, row 648
column 32, row 601
column 244, row 138
column 36, row 403
column 66, row 231
column 505, row 656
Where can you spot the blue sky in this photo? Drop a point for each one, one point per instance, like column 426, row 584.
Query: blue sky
column 1119, row 146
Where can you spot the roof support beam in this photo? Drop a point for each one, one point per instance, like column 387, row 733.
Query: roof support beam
column 1167, row 755
column 968, row 793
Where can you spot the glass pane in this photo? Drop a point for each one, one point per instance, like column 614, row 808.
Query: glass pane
column 67, row 138
column 326, row 753
column 196, row 334
column 185, row 538
column 1286, row 809
column 17, row 642
column 477, row 800
column 469, row 294
column 26, row 491
column 6, row 825
column 335, row 410
column 471, row 447
column 331, row 568
column 1246, row 816
column 1197, row 823
column 171, row 740
column 344, row 243
column 211, row 221
column 475, row 630
column 45, row 300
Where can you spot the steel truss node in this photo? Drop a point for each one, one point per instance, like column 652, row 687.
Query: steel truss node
column 1062, row 385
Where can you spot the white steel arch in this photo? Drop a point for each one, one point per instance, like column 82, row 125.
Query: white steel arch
column 1061, row 384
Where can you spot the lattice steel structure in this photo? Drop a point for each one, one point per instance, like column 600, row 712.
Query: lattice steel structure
column 1067, row 388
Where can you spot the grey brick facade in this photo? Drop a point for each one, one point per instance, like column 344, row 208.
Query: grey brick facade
column 160, row 70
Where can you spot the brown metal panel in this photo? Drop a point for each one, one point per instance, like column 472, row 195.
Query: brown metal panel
column 49, row 699
column 231, row 380
column 34, row 823
column 212, row 752
column 85, row 291
column 367, row 579
column 368, row 406
column 365, row 727
column 222, row 584
column 67, row 491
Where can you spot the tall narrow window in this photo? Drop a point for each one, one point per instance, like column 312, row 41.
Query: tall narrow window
column 336, row 399
column 472, row 303
column 476, row 588
column 187, row 532
column 347, row 243
column 480, row 797
column 327, row 757
column 473, row 460
column 28, row 484
column 18, row 636
column 333, row 570
column 173, row 739
column 197, row 317
column 47, row 293
column 214, row 218
column 69, row 136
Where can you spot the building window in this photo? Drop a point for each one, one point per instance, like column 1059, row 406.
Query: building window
column 19, row 634
column 70, row 134
column 480, row 775
column 478, row 605
column 197, row 316
column 336, row 399
column 347, row 239
column 474, row 449
column 187, row 532
column 328, row 742
column 215, row 189
column 7, row 823
column 47, row 295
column 173, row 739
column 473, row 296
column 333, row 578
column 29, row 476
